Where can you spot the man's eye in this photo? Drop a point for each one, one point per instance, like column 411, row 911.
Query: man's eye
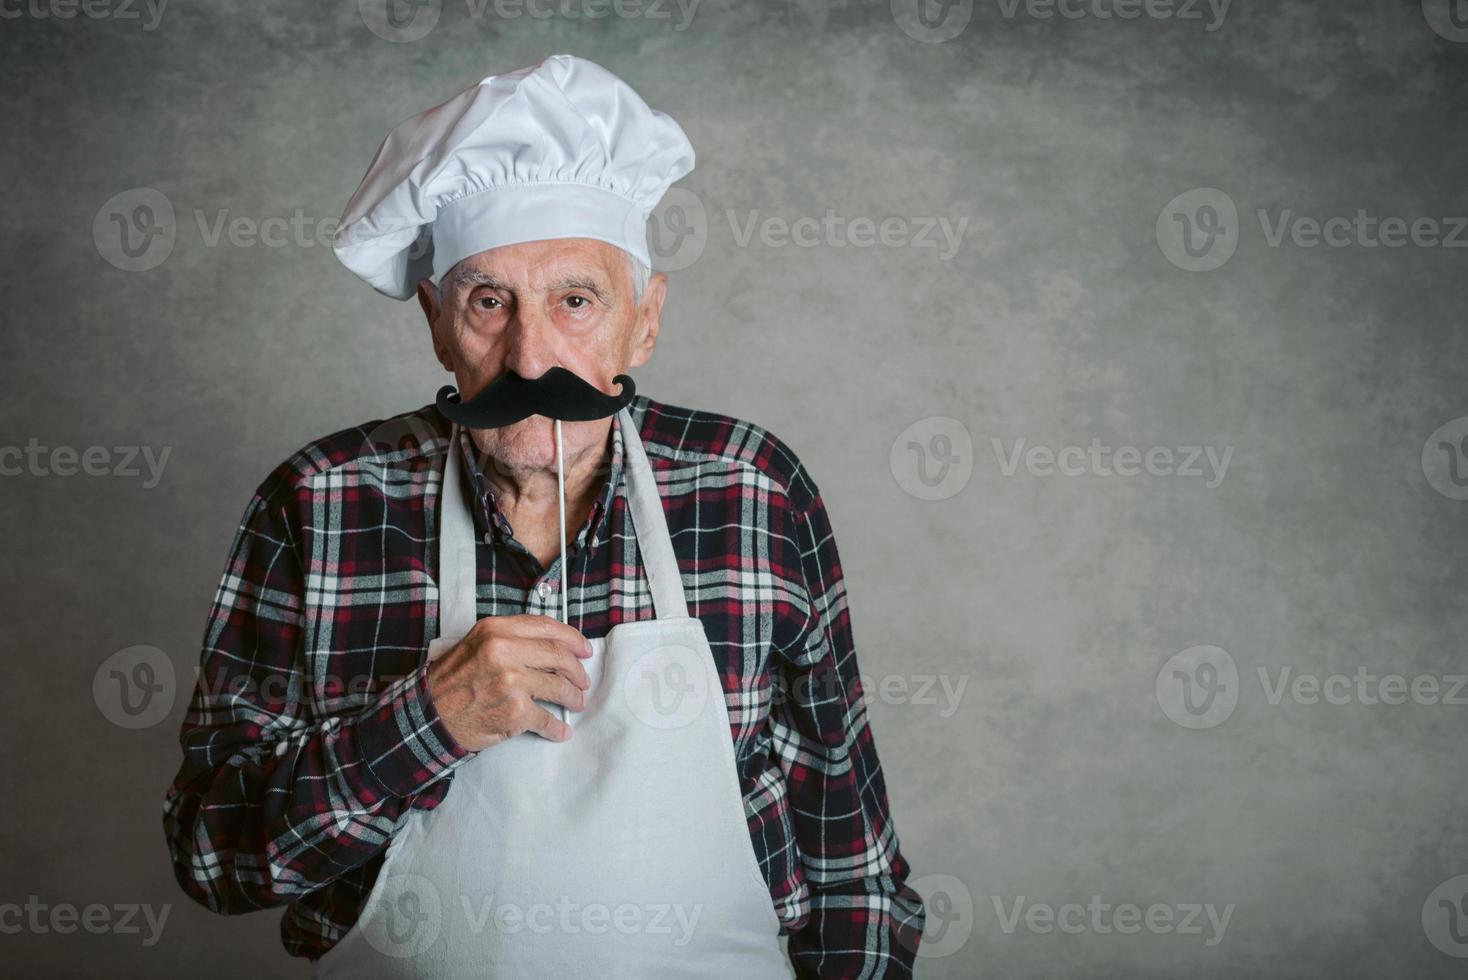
column 483, row 301
column 577, row 299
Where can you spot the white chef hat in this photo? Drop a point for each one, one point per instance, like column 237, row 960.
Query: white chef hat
column 561, row 149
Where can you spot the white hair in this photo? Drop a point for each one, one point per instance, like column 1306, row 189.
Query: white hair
column 640, row 275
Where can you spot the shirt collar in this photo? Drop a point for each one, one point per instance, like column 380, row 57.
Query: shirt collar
column 468, row 458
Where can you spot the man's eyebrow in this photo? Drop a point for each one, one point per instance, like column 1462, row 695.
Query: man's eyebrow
column 473, row 277
column 580, row 282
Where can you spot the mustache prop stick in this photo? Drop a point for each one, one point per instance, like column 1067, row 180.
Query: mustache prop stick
column 557, row 394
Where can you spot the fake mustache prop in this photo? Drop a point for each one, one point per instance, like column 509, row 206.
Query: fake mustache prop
column 556, row 394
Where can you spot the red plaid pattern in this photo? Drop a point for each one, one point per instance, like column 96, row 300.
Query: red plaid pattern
column 311, row 734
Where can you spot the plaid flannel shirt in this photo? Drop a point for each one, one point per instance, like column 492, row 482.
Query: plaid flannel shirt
column 311, row 734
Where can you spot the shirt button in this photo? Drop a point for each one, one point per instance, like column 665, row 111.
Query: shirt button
column 488, row 537
column 543, row 589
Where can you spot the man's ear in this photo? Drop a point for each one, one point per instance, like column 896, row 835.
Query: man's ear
column 428, row 301
column 649, row 319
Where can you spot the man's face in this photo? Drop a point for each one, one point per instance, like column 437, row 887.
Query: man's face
column 532, row 306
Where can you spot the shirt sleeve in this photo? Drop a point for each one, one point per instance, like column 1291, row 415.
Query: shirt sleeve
column 865, row 921
column 273, row 801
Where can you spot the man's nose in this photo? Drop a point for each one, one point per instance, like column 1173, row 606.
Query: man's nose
column 530, row 350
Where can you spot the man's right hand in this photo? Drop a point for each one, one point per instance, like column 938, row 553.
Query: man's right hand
column 485, row 687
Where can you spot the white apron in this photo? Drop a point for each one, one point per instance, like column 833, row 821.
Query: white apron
column 622, row 852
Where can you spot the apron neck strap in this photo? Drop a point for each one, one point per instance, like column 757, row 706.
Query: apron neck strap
column 651, row 525
column 457, row 605
column 457, row 567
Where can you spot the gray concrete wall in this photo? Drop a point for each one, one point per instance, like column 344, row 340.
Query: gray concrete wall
column 1089, row 668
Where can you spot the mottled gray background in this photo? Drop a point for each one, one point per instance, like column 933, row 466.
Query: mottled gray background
column 1056, row 600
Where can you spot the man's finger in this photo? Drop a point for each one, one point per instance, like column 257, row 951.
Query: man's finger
column 552, row 687
column 548, row 726
column 550, row 656
column 536, row 626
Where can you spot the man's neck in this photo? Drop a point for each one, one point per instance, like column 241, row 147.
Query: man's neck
column 535, row 491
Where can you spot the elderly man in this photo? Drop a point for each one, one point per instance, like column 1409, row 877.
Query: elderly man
column 453, row 744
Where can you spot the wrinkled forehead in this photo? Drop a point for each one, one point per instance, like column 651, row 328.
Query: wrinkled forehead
column 543, row 266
